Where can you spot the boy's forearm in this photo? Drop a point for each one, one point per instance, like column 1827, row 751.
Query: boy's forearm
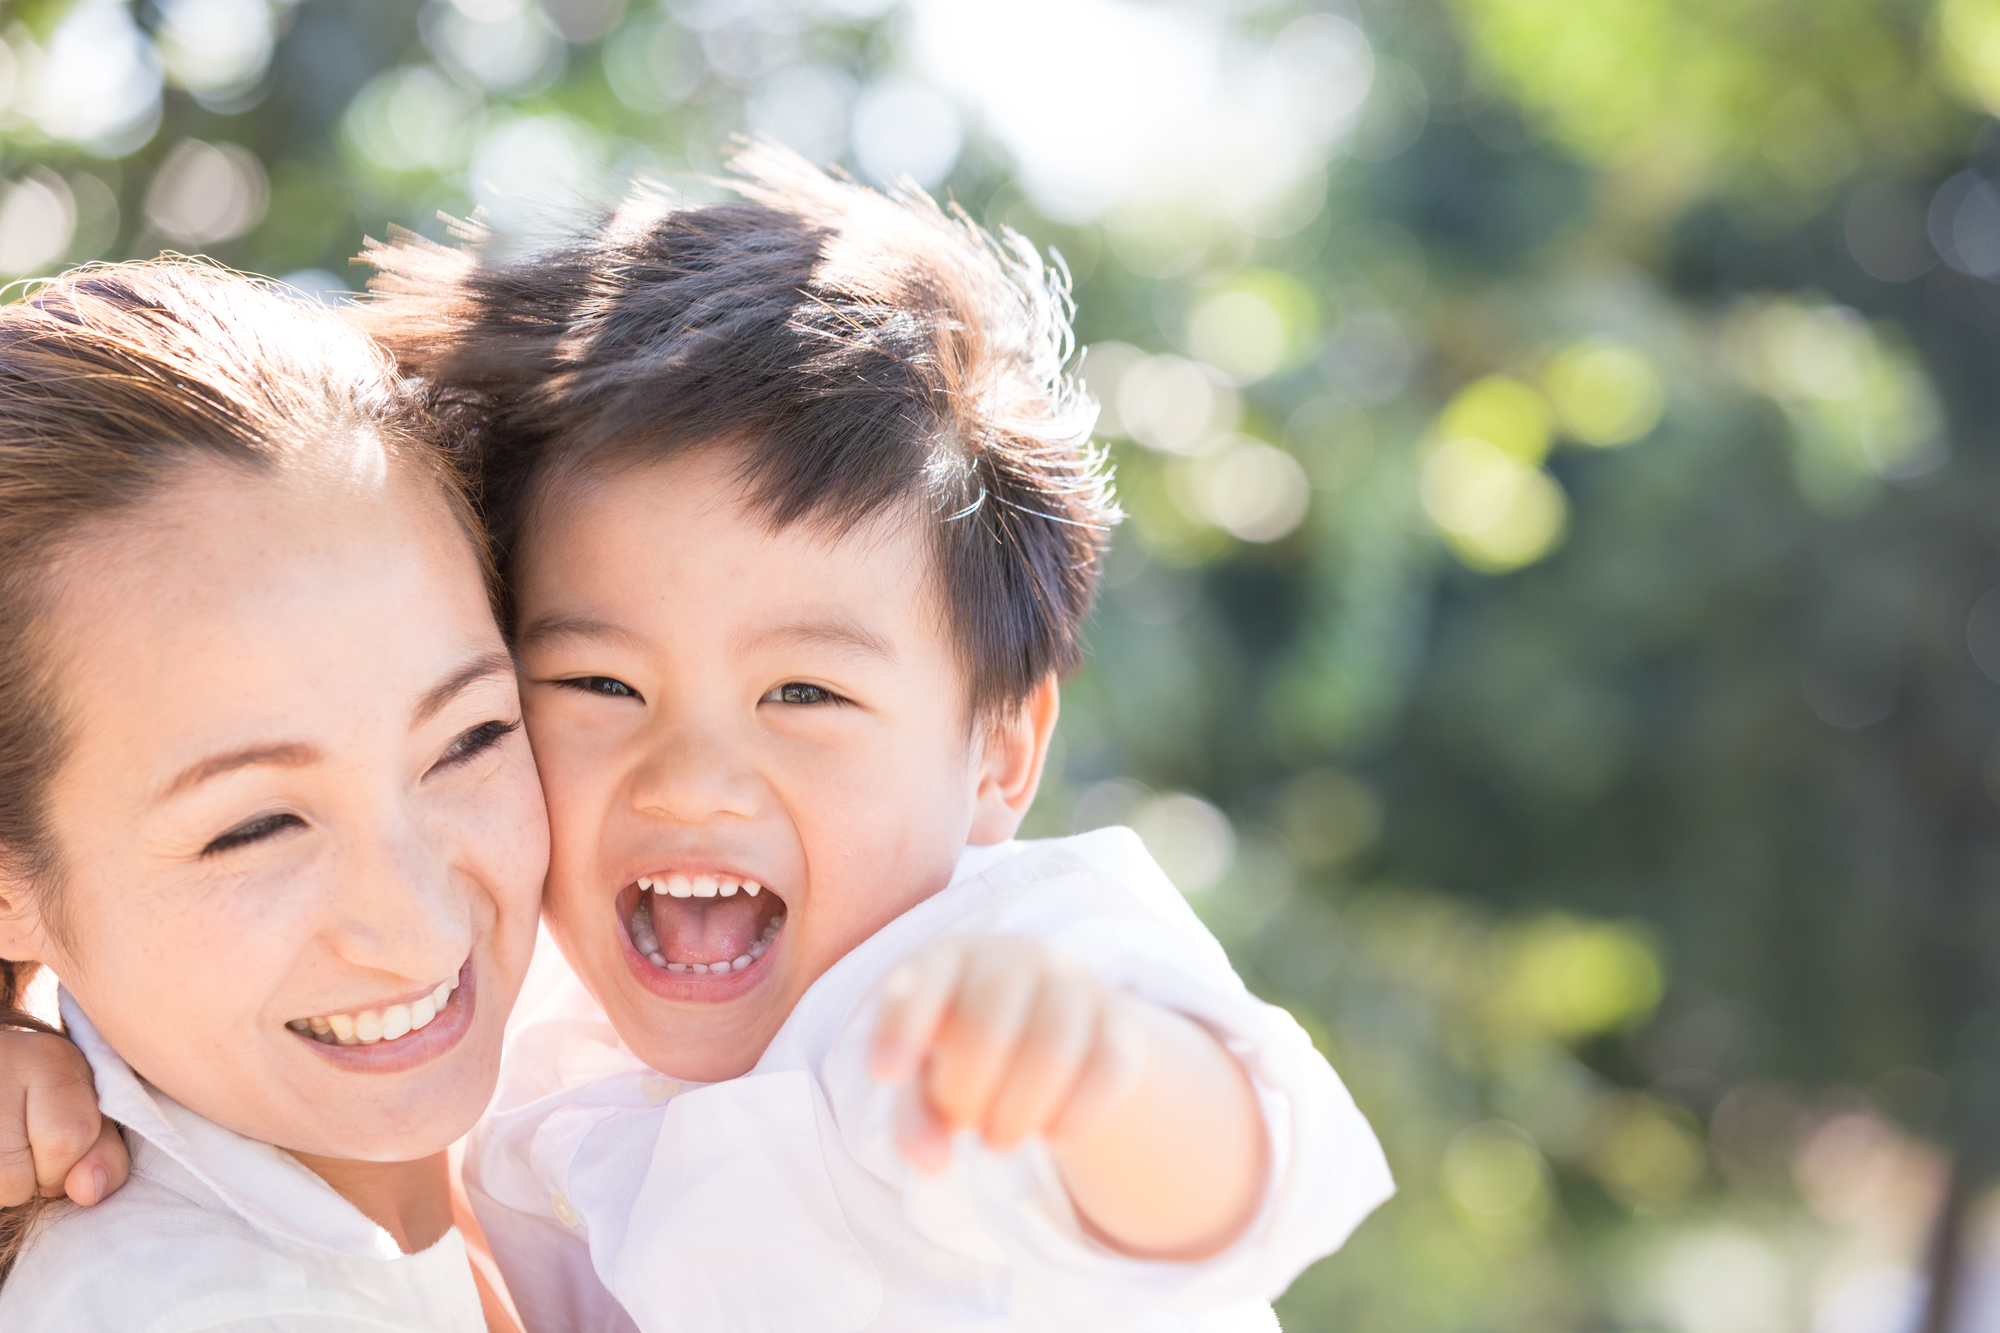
column 1176, row 1167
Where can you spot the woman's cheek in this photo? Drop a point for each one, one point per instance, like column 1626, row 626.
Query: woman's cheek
column 142, row 991
column 521, row 827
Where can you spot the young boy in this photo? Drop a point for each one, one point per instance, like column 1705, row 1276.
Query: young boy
column 801, row 526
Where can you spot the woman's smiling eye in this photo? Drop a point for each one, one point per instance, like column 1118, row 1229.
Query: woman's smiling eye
column 471, row 744
column 797, row 692
column 609, row 686
column 254, row 830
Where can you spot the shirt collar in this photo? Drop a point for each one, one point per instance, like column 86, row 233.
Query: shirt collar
column 975, row 861
column 266, row 1186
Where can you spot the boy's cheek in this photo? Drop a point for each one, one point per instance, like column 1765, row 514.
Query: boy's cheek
column 576, row 906
column 874, row 854
column 576, row 787
column 565, row 727
column 583, row 926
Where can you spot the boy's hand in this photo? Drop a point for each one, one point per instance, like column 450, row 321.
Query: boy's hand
column 52, row 1139
column 1154, row 1127
column 1003, row 1036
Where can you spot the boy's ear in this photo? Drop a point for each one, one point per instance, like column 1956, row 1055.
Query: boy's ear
column 1010, row 765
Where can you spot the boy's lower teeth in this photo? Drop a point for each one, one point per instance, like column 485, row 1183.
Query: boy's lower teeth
column 647, row 942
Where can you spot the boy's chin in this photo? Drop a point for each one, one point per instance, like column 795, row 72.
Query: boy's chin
column 707, row 1044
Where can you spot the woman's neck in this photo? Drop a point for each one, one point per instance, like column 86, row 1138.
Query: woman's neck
column 409, row 1200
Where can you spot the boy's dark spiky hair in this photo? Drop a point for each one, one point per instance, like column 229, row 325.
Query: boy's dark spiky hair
column 864, row 351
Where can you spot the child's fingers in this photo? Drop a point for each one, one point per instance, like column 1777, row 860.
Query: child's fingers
column 17, row 1160
column 923, row 1138
column 1111, row 1071
column 62, row 1121
column 48, row 1113
column 914, row 998
column 1048, row 1062
column 102, row 1170
column 975, row 1043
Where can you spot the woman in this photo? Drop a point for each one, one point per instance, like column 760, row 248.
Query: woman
column 264, row 805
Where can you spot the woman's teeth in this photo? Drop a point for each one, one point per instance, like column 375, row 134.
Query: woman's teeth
column 373, row 1025
column 648, row 943
column 700, row 886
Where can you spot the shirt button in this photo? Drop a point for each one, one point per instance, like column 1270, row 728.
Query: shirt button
column 564, row 1214
column 657, row 1090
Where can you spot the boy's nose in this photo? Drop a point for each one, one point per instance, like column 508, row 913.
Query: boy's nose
column 691, row 776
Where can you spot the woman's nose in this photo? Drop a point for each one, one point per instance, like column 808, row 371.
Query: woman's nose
column 401, row 906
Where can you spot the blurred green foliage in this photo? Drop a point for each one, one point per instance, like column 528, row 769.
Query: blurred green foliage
column 1552, row 642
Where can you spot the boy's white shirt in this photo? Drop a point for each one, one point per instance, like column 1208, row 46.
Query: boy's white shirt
column 217, row 1233
column 778, row 1200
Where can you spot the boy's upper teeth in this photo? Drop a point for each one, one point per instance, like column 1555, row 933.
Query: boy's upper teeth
column 699, row 886
column 374, row 1025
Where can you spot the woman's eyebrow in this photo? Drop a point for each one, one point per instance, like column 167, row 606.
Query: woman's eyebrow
column 298, row 754
column 479, row 668
column 288, row 754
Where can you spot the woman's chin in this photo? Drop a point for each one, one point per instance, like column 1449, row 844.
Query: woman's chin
column 399, row 1130
column 321, row 1111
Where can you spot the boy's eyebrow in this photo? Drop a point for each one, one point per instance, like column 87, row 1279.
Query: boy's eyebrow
column 828, row 631
column 546, row 628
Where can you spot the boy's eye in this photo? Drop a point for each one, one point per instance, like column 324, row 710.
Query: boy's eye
column 794, row 692
column 254, row 830
column 475, row 742
column 606, row 685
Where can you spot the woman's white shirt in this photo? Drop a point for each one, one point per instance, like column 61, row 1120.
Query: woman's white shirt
column 215, row 1231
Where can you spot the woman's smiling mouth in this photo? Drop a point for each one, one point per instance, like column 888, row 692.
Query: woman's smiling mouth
column 386, row 1023
column 363, row 1041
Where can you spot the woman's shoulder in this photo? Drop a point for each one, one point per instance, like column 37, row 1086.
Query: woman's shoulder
column 164, row 1254
column 144, row 1253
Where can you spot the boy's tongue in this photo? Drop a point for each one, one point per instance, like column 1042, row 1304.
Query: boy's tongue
column 711, row 930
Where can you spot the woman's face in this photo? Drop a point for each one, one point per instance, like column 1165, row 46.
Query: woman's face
column 295, row 798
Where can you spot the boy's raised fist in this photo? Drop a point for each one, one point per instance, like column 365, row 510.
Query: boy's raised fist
column 1155, row 1128
column 1005, row 1037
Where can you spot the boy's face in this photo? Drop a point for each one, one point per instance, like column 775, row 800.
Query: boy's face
column 712, row 703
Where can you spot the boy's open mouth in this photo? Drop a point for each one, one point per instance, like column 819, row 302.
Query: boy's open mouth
column 706, row 924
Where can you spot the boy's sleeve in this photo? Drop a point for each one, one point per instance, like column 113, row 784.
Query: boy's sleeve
column 1108, row 906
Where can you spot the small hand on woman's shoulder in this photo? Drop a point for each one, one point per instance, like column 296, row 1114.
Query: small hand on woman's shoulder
column 53, row 1141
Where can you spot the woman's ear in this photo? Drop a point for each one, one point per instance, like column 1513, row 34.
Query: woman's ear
column 20, row 923
column 1010, row 764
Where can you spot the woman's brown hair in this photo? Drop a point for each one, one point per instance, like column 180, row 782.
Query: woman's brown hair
column 114, row 380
